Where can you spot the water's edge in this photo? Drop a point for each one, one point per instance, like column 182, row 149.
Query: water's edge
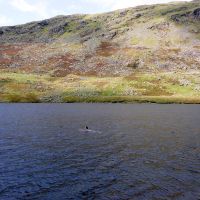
column 111, row 99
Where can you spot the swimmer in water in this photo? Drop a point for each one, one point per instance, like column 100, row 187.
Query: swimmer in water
column 86, row 127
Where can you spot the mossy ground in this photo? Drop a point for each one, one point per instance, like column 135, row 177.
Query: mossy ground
column 138, row 87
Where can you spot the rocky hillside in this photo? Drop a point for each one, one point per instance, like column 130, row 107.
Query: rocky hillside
column 162, row 38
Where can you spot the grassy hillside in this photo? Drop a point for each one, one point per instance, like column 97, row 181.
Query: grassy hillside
column 146, row 53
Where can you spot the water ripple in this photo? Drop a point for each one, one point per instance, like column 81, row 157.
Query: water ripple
column 141, row 152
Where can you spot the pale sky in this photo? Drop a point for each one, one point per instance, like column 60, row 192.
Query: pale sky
column 21, row 11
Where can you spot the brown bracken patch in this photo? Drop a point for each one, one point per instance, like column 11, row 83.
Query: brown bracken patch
column 5, row 61
column 107, row 49
column 10, row 50
column 196, row 47
column 66, row 60
column 61, row 72
column 61, row 64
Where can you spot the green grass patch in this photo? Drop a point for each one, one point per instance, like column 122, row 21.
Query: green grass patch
column 19, row 98
column 22, row 78
column 135, row 41
column 182, row 90
column 150, row 41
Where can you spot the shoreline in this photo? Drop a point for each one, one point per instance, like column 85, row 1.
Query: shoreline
column 112, row 99
column 133, row 99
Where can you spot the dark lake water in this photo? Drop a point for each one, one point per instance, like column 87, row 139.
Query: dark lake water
column 139, row 151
